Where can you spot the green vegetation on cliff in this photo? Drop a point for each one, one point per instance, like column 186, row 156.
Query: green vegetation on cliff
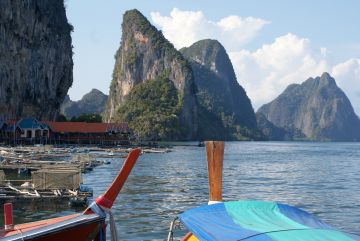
column 91, row 103
column 270, row 131
column 135, row 22
column 146, row 56
column 217, row 119
column 89, row 118
column 151, row 109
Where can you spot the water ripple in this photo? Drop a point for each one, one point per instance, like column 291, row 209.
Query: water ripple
column 322, row 178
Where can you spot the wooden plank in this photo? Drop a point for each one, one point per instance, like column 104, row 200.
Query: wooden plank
column 215, row 155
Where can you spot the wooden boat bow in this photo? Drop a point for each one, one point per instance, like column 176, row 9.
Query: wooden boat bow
column 106, row 200
column 76, row 227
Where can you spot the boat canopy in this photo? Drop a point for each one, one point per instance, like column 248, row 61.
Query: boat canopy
column 258, row 221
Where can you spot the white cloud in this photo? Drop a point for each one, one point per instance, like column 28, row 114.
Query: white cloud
column 183, row 28
column 347, row 75
column 266, row 72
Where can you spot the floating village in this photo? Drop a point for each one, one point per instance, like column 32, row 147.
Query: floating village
column 44, row 161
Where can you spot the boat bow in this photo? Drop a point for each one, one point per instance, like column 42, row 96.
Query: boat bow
column 77, row 227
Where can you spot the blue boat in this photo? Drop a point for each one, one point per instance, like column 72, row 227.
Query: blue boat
column 250, row 220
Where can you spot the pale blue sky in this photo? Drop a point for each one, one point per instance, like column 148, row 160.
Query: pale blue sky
column 97, row 29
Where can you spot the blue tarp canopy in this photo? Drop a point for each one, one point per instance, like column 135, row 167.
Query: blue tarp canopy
column 259, row 221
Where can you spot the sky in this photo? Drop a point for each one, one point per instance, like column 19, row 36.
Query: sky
column 271, row 43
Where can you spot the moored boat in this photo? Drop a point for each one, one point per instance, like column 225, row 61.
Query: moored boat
column 250, row 220
column 89, row 225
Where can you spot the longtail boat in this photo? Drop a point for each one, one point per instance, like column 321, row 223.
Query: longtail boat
column 250, row 220
column 88, row 225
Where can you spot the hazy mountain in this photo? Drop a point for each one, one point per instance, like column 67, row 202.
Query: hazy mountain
column 225, row 111
column 91, row 103
column 315, row 110
column 270, row 131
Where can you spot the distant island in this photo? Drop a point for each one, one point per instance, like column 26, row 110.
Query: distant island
column 316, row 110
column 91, row 103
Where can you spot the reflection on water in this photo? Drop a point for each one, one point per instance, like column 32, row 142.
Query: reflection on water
column 322, row 178
column 33, row 210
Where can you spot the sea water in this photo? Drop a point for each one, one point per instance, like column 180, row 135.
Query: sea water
column 321, row 178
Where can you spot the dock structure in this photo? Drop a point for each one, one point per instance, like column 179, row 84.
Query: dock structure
column 31, row 179
column 32, row 158
column 46, row 172
column 34, row 165
column 45, row 179
column 45, row 184
column 29, row 131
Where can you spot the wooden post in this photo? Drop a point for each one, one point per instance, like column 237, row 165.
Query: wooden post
column 8, row 217
column 215, row 156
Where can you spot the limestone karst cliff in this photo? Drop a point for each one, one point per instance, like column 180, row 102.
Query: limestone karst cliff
column 91, row 103
column 225, row 110
column 145, row 55
column 270, row 131
column 35, row 58
column 315, row 110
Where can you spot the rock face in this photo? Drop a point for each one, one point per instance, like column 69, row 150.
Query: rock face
column 225, row 111
column 145, row 55
column 270, row 131
column 315, row 110
column 36, row 58
column 92, row 103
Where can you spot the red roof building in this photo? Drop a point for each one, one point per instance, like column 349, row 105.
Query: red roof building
column 84, row 127
column 28, row 129
column 89, row 133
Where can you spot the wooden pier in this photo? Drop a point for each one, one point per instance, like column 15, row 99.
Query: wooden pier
column 52, row 173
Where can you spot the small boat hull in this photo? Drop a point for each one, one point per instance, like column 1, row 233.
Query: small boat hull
column 70, row 228
column 86, row 226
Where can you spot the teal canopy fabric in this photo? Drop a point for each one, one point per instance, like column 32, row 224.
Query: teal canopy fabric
column 258, row 221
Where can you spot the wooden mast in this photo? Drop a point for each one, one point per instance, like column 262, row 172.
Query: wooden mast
column 215, row 156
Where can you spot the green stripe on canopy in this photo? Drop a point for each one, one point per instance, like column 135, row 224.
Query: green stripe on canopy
column 260, row 216
column 259, row 221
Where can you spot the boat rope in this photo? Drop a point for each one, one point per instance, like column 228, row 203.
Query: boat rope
column 113, row 231
column 103, row 212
